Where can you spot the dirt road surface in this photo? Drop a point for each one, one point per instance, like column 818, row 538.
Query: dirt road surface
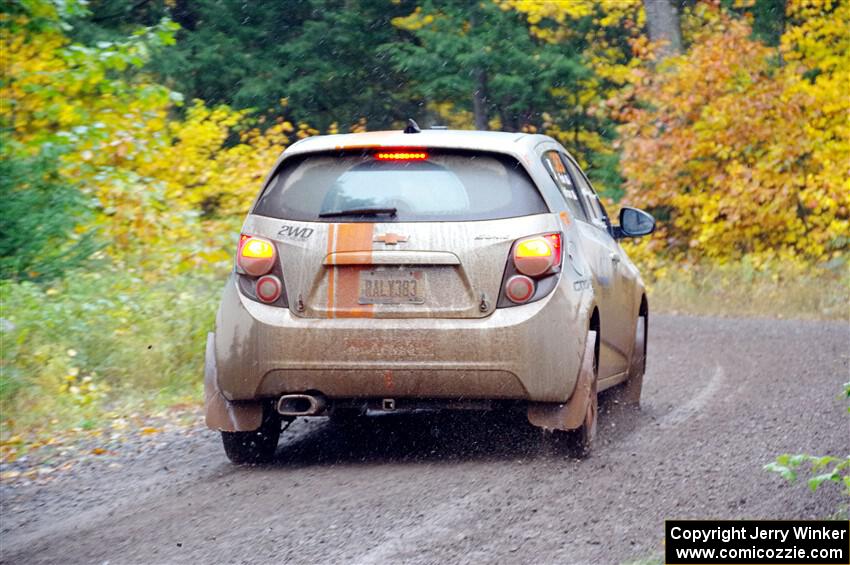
column 722, row 397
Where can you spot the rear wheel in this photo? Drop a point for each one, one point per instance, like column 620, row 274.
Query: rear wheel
column 258, row 446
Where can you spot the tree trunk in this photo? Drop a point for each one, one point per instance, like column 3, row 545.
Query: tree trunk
column 662, row 20
column 479, row 100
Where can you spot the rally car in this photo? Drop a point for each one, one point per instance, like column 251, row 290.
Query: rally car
column 433, row 269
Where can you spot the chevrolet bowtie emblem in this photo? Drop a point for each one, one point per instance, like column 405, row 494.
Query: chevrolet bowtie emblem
column 391, row 238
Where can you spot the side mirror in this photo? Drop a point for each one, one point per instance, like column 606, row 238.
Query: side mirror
column 634, row 223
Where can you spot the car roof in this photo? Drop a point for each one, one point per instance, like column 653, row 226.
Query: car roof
column 520, row 145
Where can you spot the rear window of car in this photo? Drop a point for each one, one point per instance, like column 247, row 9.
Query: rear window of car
column 445, row 187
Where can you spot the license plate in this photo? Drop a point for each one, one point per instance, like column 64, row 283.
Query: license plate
column 392, row 287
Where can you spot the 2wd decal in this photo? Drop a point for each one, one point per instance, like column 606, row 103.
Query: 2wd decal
column 295, row 232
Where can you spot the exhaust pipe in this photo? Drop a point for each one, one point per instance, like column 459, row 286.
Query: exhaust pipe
column 301, row 405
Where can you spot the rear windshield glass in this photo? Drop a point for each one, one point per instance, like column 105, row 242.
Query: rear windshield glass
column 445, row 187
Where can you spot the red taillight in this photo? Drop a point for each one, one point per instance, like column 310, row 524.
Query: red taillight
column 414, row 155
column 555, row 240
column 534, row 261
column 534, row 256
column 269, row 288
column 256, row 255
column 519, row 289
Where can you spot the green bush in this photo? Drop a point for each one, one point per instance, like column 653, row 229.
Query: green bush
column 39, row 238
column 94, row 342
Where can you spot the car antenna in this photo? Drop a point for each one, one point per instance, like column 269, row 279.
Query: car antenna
column 412, row 126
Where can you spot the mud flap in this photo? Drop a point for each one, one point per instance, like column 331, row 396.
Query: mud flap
column 631, row 390
column 638, row 361
column 570, row 415
column 222, row 414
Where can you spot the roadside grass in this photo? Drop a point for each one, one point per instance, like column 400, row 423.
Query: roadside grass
column 739, row 290
column 96, row 347
column 99, row 347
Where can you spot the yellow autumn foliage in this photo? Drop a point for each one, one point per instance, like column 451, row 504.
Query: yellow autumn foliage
column 169, row 192
column 743, row 149
column 611, row 55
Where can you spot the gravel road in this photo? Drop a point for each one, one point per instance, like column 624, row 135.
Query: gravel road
column 721, row 398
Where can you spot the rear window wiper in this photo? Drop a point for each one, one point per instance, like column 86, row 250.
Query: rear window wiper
column 360, row 212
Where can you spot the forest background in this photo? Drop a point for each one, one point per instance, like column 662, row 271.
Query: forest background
column 134, row 135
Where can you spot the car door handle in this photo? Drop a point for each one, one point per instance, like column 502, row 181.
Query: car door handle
column 615, row 258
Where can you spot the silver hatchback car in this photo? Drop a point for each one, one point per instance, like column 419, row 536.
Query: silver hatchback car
column 425, row 269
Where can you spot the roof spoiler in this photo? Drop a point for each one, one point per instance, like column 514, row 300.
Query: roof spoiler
column 412, row 126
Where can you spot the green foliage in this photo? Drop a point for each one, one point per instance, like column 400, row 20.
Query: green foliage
column 73, row 348
column 374, row 63
column 41, row 15
column 461, row 48
column 769, row 20
column 41, row 218
column 822, row 469
column 826, row 468
column 96, row 140
column 321, row 56
column 768, row 17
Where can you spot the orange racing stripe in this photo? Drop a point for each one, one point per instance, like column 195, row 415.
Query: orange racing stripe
column 352, row 237
column 331, row 270
column 344, row 283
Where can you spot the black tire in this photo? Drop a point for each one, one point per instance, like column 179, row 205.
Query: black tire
column 253, row 448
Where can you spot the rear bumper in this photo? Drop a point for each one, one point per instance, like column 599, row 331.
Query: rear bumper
column 530, row 352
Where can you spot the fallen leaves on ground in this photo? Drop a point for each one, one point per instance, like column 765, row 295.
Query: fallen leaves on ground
column 39, row 458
